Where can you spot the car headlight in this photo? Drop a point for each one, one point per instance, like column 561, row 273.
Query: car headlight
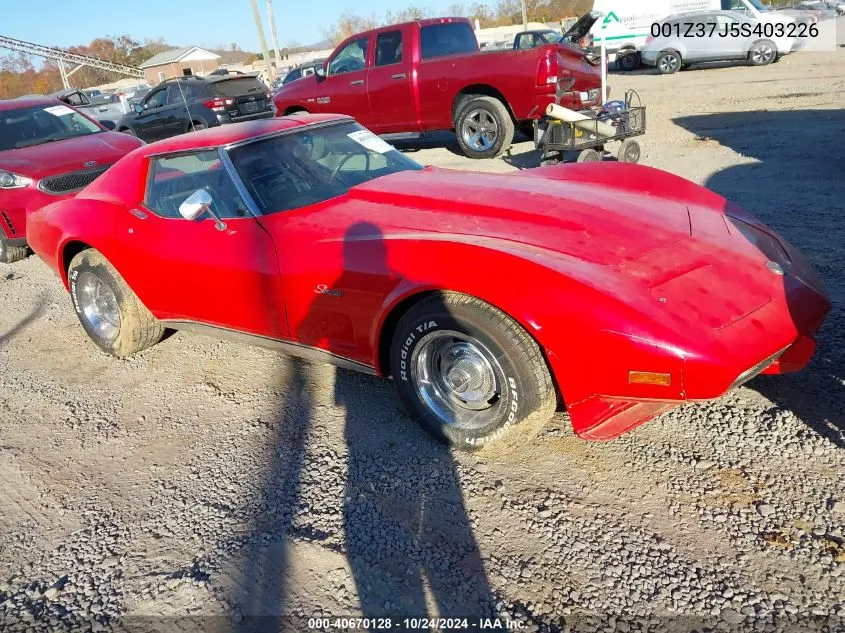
column 8, row 180
column 764, row 241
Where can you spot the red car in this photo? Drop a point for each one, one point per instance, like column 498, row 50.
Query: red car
column 407, row 79
column 48, row 151
column 619, row 289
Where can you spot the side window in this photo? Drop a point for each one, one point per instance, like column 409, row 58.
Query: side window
column 177, row 92
column 75, row 99
column 292, row 76
column 524, row 41
column 389, row 48
column 156, row 99
column 351, row 57
column 172, row 179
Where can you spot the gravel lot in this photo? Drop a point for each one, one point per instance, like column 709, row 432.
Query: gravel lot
column 225, row 482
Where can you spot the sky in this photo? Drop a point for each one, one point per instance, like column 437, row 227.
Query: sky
column 206, row 23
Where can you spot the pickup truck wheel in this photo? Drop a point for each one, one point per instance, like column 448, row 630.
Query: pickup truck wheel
column 467, row 372
column 484, row 127
column 10, row 254
column 110, row 313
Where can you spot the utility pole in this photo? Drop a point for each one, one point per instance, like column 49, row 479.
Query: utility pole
column 271, row 75
column 273, row 34
column 524, row 16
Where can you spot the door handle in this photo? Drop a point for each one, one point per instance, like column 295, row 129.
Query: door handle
column 398, row 76
column 357, row 82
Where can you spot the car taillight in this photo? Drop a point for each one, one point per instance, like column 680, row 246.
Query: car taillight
column 547, row 74
column 218, row 104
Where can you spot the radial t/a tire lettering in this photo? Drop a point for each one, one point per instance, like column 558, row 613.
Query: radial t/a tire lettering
column 109, row 311
column 466, row 371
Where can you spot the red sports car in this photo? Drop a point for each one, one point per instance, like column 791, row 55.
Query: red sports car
column 47, row 151
column 619, row 290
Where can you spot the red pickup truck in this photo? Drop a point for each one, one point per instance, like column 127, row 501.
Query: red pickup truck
column 407, row 79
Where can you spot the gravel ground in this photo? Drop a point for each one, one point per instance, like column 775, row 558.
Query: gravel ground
column 222, row 487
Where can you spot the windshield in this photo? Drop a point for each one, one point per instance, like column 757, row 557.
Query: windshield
column 37, row 124
column 313, row 165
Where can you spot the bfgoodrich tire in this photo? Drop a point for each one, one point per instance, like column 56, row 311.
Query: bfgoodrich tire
column 484, row 127
column 467, row 372
column 10, row 254
column 110, row 313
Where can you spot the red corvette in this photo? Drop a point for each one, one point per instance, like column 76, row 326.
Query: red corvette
column 620, row 290
column 48, row 151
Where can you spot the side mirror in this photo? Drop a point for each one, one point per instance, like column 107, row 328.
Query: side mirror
column 139, row 108
column 320, row 71
column 198, row 203
column 109, row 125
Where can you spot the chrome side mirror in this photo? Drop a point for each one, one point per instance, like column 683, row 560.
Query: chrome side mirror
column 198, row 203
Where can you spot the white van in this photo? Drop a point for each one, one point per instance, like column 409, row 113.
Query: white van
column 627, row 23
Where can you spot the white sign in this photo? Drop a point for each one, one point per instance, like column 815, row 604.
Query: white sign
column 370, row 141
column 59, row 110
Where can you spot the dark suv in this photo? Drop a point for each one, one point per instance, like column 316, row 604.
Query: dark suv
column 185, row 104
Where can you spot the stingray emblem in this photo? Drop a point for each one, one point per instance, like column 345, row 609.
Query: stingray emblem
column 774, row 267
column 89, row 163
column 323, row 289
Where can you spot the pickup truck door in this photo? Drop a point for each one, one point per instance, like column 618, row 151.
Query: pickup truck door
column 344, row 88
column 392, row 102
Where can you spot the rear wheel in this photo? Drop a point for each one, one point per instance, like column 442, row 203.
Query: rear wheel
column 668, row 62
column 484, row 127
column 628, row 60
column 762, row 53
column 467, row 372
column 10, row 254
column 110, row 313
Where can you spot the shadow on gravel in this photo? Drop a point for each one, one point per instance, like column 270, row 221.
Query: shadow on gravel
column 8, row 336
column 264, row 584
column 406, row 533
column 797, row 188
column 406, row 529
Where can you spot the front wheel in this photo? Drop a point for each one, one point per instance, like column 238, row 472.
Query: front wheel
column 629, row 151
column 109, row 311
column 762, row 53
column 629, row 61
column 467, row 372
column 484, row 127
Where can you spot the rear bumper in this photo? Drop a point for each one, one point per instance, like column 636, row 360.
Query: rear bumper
column 224, row 118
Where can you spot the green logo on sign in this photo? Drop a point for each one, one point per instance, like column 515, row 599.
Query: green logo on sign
column 610, row 17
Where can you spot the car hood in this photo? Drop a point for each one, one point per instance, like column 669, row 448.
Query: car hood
column 588, row 222
column 68, row 155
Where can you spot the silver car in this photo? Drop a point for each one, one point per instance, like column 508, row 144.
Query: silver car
column 713, row 36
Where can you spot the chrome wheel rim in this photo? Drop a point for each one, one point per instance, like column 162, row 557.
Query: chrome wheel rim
column 669, row 63
column 457, row 378
column 99, row 305
column 480, row 130
column 762, row 54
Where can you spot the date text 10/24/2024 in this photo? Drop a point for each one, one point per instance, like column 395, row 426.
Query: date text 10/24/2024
column 414, row 624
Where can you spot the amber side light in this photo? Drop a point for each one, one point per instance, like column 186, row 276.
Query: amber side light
column 649, row 378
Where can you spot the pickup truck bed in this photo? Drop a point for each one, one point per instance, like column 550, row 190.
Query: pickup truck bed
column 430, row 75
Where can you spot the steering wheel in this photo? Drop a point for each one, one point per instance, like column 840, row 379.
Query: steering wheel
column 345, row 160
